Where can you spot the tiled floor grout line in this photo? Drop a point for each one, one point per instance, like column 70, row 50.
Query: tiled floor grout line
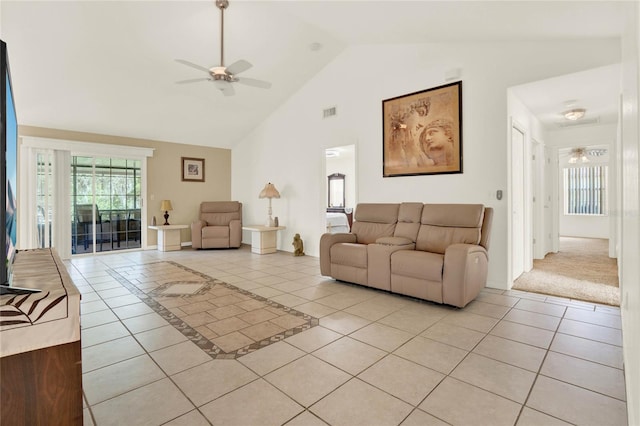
column 147, row 354
column 535, row 379
column 548, row 351
column 387, row 352
column 155, row 362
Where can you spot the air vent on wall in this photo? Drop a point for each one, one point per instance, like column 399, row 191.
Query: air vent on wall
column 329, row 112
column 582, row 122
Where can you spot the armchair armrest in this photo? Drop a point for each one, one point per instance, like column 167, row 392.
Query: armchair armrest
column 326, row 241
column 464, row 274
column 235, row 233
column 196, row 233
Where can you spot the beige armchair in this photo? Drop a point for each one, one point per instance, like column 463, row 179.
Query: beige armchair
column 219, row 226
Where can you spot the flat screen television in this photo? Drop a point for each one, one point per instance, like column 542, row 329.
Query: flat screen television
column 9, row 153
column 9, row 136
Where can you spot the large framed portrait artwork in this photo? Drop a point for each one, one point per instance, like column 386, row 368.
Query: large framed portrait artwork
column 422, row 132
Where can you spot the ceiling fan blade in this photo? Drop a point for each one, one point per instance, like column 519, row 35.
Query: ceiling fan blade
column 192, row 65
column 225, row 87
column 254, row 82
column 191, row 80
column 238, row 66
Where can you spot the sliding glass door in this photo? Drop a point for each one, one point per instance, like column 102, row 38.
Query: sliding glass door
column 106, row 204
column 81, row 197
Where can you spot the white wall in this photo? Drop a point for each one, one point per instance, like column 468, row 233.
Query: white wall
column 630, row 216
column 584, row 226
column 287, row 148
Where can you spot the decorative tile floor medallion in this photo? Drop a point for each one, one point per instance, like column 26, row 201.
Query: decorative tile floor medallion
column 224, row 321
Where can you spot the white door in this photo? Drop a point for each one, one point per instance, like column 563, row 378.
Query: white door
column 517, row 205
column 549, row 205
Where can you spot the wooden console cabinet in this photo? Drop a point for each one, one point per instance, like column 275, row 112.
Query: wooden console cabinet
column 40, row 352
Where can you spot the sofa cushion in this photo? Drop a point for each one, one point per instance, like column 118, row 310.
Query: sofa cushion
column 446, row 224
column 436, row 239
column 219, row 219
column 374, row 221
column 219, row 206
column 409, row 215
column 459, row 215
column 215, row 232
column 220, row 213
column 377, row 213
column 417, row 264
column 394, row 241
column 368, row 233
column 349, row 254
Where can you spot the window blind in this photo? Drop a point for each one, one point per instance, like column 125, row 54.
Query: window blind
column 585, row 190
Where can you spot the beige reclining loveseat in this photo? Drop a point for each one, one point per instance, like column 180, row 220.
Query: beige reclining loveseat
column 436, row 252
column 219, row 226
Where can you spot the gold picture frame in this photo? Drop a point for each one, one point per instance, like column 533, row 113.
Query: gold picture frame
column 192, row 169
column 422, row 132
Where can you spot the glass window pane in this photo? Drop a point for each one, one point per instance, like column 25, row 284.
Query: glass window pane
column 585, row 190
column 113, row 186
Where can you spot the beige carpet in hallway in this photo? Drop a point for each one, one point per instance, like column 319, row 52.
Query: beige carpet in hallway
column 581, row 270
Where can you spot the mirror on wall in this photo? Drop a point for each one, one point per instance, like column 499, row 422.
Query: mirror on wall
column 341, row 187
column 336, row 191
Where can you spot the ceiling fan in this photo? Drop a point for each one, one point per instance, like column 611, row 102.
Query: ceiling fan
column 220, row 75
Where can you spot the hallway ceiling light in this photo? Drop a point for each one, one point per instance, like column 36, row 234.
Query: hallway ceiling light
column 574, row 114
column 578, row 154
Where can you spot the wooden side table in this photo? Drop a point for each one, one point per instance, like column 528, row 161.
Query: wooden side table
column 169, row 236
column 264, row 239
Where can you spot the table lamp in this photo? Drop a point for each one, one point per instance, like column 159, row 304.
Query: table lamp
column 269, row 192
column 165, row 205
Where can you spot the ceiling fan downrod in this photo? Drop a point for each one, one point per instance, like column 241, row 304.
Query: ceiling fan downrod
column 222, row 5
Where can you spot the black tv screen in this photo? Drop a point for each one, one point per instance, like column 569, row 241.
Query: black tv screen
column 9, row 136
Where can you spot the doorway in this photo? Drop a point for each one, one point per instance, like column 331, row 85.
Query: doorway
column 106, row 204
column 576, row 263
column 340, row 181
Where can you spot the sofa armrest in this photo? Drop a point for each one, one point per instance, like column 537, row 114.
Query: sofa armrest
column 196, row 233
column 464, row 274
column 379, row 260
column 235, row 233
column 326, row 241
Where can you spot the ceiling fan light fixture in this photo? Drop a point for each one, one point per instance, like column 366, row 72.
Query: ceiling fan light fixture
column 578, row 154
column 222, row 76
column 217, row 71
column 574, row 114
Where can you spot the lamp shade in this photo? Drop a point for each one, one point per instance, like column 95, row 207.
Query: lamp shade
column 165, row 205
column 269, row 191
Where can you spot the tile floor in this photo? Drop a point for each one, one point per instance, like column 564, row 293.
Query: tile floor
column 156, row 353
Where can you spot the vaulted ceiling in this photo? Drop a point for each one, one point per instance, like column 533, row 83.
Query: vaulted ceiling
column 109, row 66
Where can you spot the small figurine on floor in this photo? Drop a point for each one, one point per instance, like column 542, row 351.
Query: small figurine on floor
column 298, row 246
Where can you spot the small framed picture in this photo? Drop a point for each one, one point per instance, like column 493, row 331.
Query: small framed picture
column 422, row 132
column 192, row 169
